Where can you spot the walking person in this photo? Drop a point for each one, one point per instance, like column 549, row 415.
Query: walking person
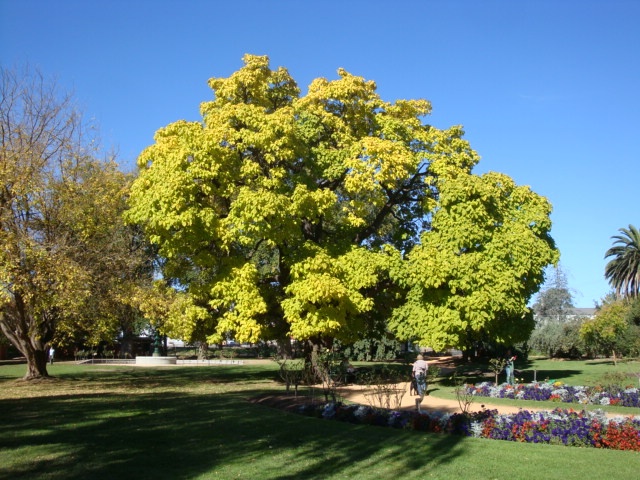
column 52, row 353
column 419, row 374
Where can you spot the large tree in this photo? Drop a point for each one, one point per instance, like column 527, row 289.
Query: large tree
column 623, row 270
column 65, row 262
column 286, row 215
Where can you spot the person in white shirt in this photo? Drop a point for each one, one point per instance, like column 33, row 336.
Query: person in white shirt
column 419, row 373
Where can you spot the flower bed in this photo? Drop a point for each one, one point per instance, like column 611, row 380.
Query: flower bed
column 558, row 392
column 561, row 427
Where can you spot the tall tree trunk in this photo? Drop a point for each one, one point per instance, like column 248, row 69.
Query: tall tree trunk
column 29, row 335
column 36, row 365
column 35, row 353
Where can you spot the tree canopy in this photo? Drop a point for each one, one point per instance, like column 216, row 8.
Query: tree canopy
column 318, row 216
column 67, row 259
column 623, row 270
column 605, row 333
column 475, row 270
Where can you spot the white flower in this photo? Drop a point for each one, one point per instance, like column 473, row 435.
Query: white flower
column 476, row 429
column 599, row 415
column 361, row 411
column 582, row 397
column 561, row 392
column 329, row 410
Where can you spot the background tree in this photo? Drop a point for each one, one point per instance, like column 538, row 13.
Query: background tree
column 555, row 300
column 605, row 334
column 623, row 270
column 293, row 211
column 66, row 252
column 559, row 339
column 556, row 334
column 633, row 315
column 115, row 257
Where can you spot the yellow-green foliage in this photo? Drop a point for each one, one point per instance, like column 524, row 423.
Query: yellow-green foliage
column 325, row 294
column 602, row 333
column 282, row 212
column 238, row 297
column 479, row 265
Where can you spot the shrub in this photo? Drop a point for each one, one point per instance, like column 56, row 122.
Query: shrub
column 559, row 339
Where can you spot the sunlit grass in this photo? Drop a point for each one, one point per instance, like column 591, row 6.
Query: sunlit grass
column 196, row 423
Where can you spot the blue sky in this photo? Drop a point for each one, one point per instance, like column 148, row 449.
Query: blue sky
column 547, row 90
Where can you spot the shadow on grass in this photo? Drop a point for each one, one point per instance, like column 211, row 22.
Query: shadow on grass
column 176, row 376
column 186, row 435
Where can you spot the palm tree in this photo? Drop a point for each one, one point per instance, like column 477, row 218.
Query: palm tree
column 623, row 271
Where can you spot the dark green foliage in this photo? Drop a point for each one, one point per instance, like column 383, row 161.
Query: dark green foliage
column 383, row 374
column 265, row 350
column 558, row 339
column 629, row 342
column 373, row 349
column 633, row 315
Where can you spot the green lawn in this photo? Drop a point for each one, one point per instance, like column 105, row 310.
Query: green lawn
column 572, row 372
column 107, row 422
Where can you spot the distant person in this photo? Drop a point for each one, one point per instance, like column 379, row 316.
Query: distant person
column 52, row 353
column 419, row 374
column 346, row 366
column 348, row 371
column 509, row 367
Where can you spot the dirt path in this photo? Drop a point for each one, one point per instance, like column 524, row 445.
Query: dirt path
column 357, row 394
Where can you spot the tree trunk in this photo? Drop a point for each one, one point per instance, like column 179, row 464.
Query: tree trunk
column 203, row 351
column 284, row 347
column 36, row 365
column 18, row 327
column 36, row 355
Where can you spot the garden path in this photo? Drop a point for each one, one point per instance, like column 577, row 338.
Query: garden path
column 356, row 394
column 447, row 364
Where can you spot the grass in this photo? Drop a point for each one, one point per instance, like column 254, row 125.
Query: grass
column 572, row 372
column 196, row 423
